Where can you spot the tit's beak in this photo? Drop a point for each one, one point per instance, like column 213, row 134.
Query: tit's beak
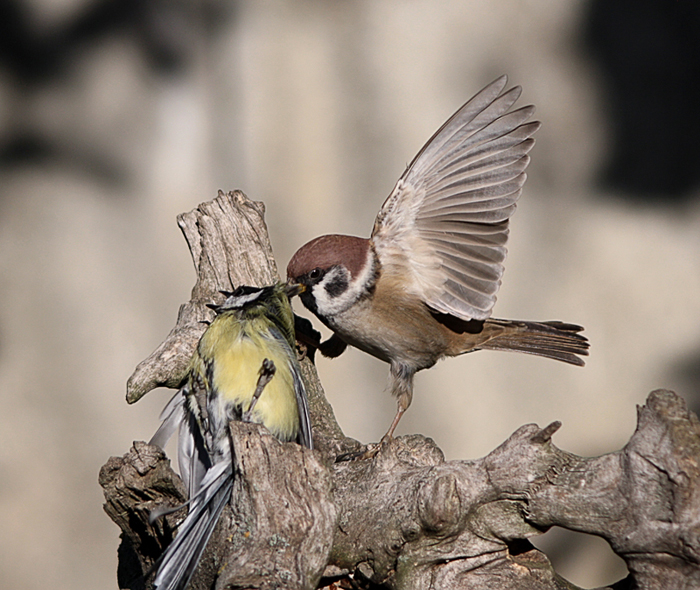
column 293, row 288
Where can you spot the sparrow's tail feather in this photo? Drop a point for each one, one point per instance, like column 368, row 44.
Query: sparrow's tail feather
column 554, row 340
column 180, row 559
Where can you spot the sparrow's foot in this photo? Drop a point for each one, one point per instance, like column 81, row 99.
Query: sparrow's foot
column 333, row 347
column 370, row 451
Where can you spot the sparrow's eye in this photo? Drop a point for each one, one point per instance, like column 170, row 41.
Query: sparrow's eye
column 315, row 274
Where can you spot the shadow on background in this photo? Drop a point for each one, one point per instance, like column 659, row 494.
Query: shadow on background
column 572, row 553
column 648, row 56
column 165, row 33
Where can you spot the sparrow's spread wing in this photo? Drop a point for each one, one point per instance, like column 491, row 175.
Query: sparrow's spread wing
column 446, row 220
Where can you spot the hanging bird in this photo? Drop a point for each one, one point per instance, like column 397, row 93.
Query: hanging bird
column 423, row 285
column 244, row 368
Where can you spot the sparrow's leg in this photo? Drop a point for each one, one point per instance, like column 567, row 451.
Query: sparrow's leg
column 305, row 332
column 311, row 339
column 402, row 388
column 267, row 372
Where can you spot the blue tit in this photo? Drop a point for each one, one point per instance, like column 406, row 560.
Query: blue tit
column 244, row 368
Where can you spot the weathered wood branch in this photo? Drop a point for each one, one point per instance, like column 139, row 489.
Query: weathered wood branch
column 229, row 244
column 406, row 519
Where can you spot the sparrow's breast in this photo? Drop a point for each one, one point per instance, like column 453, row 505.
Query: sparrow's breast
column 392, row 325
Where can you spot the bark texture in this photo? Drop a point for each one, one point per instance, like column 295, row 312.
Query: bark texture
column 406, row 519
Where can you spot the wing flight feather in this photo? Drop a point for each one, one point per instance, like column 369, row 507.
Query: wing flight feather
column 447, row 218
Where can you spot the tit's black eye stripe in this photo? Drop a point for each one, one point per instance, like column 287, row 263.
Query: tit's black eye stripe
column 244, row 296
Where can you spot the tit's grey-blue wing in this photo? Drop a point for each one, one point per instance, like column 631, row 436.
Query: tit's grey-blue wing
column 304, row 436
column 180, row 559
column 192, row 456
column 170, row 419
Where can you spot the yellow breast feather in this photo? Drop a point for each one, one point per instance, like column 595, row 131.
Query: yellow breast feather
column 238, row 351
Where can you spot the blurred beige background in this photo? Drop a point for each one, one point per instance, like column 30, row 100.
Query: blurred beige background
column 116, row 115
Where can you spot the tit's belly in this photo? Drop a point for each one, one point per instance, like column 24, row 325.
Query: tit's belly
column 236, row 377
column 395, row 333
column 238, row 355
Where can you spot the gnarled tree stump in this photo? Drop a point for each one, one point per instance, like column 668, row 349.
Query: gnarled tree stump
column 406, row 519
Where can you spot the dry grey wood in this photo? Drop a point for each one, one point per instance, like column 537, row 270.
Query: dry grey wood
column 276, row 533
column 406, row 519
column 463, row 524
column 228, row 240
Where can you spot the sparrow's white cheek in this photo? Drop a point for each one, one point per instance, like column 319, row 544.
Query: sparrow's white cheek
column 334, row 294
column 328, row 305
column 338, row 291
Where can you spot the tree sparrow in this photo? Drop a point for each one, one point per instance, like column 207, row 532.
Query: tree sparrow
column 423, row 286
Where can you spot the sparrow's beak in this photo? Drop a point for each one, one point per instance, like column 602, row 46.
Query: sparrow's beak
column 294, row 288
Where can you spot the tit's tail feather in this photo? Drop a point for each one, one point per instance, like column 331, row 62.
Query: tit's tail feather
column 193, row 458
column 180, row 559
column 171, row 417
column 555, row 340
column 192, row 455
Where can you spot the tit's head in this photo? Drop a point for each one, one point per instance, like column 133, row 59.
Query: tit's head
column 334, row 271
column 271, row 303
column 244, row 297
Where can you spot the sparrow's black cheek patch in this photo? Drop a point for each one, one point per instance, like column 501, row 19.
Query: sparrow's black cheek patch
column 337, row 286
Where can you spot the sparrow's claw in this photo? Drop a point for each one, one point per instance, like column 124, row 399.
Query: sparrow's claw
column 369, row 452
